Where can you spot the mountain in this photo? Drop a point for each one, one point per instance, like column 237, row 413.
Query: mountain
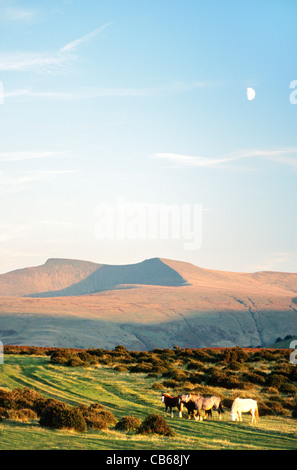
column 154, row 303
column 55, row 274
column 107, row 277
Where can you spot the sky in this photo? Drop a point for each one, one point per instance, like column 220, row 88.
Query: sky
column 126, row 132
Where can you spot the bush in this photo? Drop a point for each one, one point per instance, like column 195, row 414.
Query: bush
column 195, row 365
column 97, row 417
column 24, row 414
column 58, row 415
column 120, row 368
column 276, row 380
column 141, row 368
column 288, row 388
column 61, row 356
column 272, row 407
column 128, row 423
column 155, row 424
column 255, row 378
column 75, row 361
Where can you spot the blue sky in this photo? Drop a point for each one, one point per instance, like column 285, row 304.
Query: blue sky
column 146, row 102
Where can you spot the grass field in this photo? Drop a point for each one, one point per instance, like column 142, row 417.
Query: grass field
column 125, row 394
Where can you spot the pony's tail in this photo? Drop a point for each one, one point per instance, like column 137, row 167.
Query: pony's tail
column 257, row 413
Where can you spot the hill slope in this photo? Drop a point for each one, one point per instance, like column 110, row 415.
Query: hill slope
column 55, row 274
column 155, row 303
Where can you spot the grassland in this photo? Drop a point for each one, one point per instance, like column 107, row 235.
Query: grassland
column 124, row 393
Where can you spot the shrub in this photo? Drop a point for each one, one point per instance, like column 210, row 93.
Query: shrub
column 255, row 378
column 24, row 414
column 157, row 386
column 61, row 356
column 140, row 368
column 96, row 416
column 128, row 423
column 3, row 412
column 218, row 378
column 288, row 388
column 120, row 368
column 195, row 365
column 60, row 416
column 170, row 384
column 272, row 407
column 276, row 380
column 75, row 361
column 155, row 424
column 236, row 354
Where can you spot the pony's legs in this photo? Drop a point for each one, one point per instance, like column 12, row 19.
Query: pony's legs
column 198, row 416
column 180, row 411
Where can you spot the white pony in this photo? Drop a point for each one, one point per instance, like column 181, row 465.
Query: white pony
column 244, row 405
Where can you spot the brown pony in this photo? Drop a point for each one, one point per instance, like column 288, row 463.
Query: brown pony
column 172, row 402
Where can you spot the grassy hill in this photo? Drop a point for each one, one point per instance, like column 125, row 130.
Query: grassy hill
column 123, row 392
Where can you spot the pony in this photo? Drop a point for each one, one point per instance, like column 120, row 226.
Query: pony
column 172, row 402
column 190, row 405
column 244, row 405
column 204, row 403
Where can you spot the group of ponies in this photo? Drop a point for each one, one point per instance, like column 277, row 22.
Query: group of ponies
column 198, row 403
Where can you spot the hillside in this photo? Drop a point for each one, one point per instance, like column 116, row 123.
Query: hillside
column 55, row 274
column 154, row 303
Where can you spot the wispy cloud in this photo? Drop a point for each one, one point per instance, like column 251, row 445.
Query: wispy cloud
column 28, row 62
column 87, row 37
column 187, row 161
column 15, row 14
column 45, row 61
column 92, row 93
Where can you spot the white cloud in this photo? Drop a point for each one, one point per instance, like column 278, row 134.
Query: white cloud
column 27, row 61
column 15, row 14
column 190, row 161
column 93, row 93
column 87, row 37
column 187, row 161
column 44, row 62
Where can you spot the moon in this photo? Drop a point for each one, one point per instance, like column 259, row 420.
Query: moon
column 250, row 93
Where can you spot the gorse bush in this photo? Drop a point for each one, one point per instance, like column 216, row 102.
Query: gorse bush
column 155, row 424
column 63, row 417
column 128, row 424
column 28, row 404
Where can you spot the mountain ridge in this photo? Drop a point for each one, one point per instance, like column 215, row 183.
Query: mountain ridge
column 153, row 303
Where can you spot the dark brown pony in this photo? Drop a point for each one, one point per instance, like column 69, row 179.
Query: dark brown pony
column 172, row 402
